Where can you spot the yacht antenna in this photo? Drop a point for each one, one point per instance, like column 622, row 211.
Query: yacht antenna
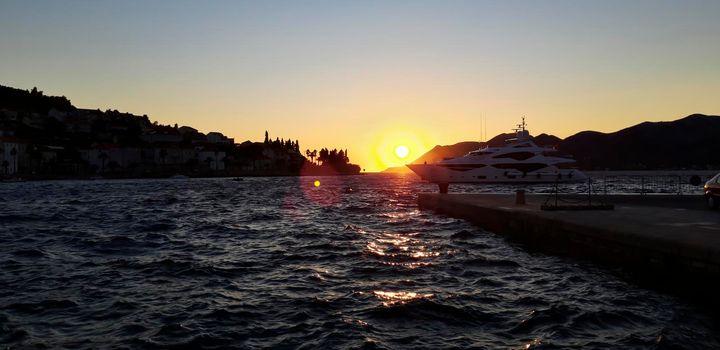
column 521, row 126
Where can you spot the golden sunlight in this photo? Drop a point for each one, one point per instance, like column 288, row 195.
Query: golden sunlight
column 396, row 146
column 402, row 151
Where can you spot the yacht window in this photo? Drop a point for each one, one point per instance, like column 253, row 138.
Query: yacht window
column 522, row 167
column 516, row 155
column 463, row 166
column 479, row 153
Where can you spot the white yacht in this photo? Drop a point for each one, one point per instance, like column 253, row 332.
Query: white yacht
column 520, row 161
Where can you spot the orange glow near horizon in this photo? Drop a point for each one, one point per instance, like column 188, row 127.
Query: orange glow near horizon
column 368, row 78
column 395, row 148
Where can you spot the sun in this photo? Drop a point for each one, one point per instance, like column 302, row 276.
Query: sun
column 402, row 151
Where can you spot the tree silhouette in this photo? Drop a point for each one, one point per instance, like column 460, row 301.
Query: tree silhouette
column 267, row 138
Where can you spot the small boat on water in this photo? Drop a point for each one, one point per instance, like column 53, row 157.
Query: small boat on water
column 521, row 160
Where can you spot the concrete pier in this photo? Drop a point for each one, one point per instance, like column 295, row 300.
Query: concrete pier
column 659, row 236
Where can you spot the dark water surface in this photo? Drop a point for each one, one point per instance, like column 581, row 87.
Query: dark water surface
column 278, row 263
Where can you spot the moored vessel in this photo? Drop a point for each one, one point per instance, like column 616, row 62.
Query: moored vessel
column 521, row 160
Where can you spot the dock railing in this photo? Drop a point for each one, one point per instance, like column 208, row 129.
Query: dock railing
column 644, row 184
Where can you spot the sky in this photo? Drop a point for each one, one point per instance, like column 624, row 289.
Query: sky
column 369, row 76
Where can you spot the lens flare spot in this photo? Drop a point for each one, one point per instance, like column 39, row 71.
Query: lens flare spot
column 316, row 183
column 402, row 151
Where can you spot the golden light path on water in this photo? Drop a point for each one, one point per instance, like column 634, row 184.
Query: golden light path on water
column 404, row 250
column 392, row 298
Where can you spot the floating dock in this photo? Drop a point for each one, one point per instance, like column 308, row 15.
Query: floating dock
column 660, row 236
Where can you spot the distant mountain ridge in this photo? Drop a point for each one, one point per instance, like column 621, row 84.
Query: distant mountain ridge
column 692, row 142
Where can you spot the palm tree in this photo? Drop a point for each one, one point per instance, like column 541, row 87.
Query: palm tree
column 311, row 155
column 314, row 155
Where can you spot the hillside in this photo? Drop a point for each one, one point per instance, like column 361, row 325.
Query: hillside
column 32, row 101
column 438, row 153
column 690, row 142
column 47, row 137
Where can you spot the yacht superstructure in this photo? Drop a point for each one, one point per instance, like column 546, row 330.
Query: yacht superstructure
column 521, row 160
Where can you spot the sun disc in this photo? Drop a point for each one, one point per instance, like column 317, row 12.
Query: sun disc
column 402, row 151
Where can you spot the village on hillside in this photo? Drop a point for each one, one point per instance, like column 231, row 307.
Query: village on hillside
column 44, row 137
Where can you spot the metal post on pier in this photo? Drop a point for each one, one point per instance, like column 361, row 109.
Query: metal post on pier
column 642, row 185
column 680, row 185
column 605, row 185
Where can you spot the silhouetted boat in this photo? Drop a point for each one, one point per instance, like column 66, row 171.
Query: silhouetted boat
column 520, row 161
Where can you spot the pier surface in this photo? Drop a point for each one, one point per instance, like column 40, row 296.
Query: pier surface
column 667, row 236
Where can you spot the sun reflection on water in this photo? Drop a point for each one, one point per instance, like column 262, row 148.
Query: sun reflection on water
column 393, row 298
column 408, row 250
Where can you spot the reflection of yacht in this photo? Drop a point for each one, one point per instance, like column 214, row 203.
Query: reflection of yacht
column 520, row 161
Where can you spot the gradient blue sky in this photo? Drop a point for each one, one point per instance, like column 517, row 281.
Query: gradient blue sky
column 370, row 75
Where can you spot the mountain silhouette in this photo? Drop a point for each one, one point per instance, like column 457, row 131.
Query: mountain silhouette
column 692, row 142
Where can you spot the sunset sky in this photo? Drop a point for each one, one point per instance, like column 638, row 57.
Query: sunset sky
column 371, row 75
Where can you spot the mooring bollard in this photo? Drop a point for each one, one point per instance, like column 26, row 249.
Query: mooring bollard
column 444, row 187
column 520, row 197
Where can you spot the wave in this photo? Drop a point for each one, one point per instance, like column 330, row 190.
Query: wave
column 40, row 307
column 430, row 310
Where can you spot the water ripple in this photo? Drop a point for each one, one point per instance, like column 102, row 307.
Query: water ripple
column 279, row 263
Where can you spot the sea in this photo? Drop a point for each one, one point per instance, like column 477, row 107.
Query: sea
column 280, row 263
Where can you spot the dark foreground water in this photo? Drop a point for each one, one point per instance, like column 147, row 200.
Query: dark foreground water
column 278, row 263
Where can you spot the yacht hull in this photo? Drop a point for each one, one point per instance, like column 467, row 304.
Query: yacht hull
column 440, row 174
